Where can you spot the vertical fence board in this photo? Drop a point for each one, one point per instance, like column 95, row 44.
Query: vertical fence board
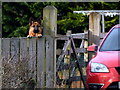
column 32, row 58
column 40, row 62
column 24, row 49
column 24, row 58
column 54, row 60
column 15, row 49
column 0, row 19
column 6, row 48
column 0, row 64
column 14, row 62
column 49, row 62
column 5, row 57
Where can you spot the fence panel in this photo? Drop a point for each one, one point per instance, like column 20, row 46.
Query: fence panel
column 24, row 59
column 6, row 48
column 5, row 58
column 40, row 62
column 49, row 62
column 32, row 58
column 14, row 50
column 24, row 49
column 13, row 62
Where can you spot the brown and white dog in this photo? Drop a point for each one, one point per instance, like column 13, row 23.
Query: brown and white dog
column 35, row 28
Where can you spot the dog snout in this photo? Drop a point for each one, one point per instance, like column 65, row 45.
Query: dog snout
column 36, row 28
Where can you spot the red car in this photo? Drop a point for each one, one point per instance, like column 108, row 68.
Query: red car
column 103, row 71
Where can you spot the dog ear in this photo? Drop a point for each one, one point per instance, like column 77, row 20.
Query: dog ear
column 31, row 20
column 39, row 20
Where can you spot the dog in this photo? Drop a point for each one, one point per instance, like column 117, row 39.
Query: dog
column 35, row 29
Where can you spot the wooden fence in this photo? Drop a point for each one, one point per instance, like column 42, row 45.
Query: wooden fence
column 25, row 59
column 31, row 62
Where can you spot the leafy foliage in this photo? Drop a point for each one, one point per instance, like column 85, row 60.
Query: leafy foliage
column 15, row 16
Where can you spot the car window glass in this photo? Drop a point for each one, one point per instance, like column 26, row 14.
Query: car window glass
column 112, row 42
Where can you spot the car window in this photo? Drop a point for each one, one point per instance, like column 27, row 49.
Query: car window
column 112, row 42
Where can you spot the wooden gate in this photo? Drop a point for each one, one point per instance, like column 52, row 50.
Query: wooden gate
column 70, row 64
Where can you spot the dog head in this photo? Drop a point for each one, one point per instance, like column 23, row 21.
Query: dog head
column 35, row 26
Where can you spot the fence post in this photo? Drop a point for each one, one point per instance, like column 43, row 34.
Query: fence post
column 94, row 30
column 50, row 20
column 50, row 31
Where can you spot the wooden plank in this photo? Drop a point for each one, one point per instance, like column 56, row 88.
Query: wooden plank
column 13, row 63
column 61, row 37
column 86, row 53
column 49, row 62
column 1, row 71
column 0, row 19
column 6, row 48
column 32, row 58
column 1, row 64
column 74, row 36
column 14, row 50
column 5, row 58
column 24, row 59
column 41, row 63
column 54, row 59
column 79, row 36
column 24, row 49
